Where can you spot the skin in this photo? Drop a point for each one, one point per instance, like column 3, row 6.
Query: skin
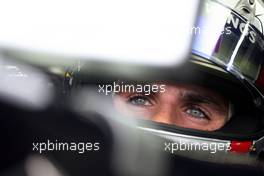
column 182, row 105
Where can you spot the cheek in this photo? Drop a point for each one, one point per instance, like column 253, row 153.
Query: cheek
column 216, row 123
column 121, row 105
column 218, row 120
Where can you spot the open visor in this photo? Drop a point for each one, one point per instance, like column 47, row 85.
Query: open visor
column 227, row 39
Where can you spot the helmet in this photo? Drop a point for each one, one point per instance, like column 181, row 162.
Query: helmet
column 228, row 51
column 226, row 55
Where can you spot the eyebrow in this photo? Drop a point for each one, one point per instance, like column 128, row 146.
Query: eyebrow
column 195, row 97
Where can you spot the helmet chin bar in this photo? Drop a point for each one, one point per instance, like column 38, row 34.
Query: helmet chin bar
column 209, row 149
column 258, row 146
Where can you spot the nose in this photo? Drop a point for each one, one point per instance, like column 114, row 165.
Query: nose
column 166, row 115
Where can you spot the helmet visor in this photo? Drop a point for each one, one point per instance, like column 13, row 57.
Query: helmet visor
column 229, row 40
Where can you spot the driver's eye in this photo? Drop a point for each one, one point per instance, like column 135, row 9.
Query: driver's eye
column 139, row 100
column 196, row 113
